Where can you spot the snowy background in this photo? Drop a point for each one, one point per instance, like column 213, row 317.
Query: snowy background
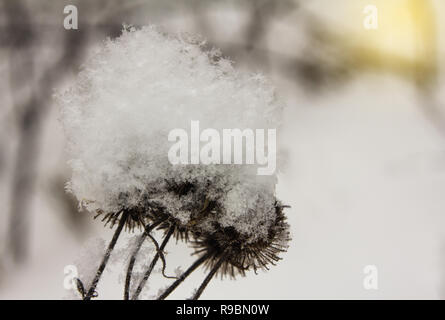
column 365, row 167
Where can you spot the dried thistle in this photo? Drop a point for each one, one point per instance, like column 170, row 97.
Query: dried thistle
column 117, row 115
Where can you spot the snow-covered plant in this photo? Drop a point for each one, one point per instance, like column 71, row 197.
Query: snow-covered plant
column 117, row 116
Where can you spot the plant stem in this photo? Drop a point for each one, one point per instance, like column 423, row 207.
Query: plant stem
column 208, row 278
column 131, row 265
column 142, row 238
column 104, row 262
column 183, row 276
column 152, row 264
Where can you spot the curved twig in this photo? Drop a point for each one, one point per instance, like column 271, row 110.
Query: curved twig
column 192, row 268
column 153, row 263
column 161, row 255
column 147, row 230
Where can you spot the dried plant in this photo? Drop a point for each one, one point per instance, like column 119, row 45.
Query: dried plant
column 117, row 116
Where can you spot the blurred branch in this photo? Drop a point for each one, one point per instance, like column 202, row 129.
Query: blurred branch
column 23, row 38
column 21, row 70
column 31, row 113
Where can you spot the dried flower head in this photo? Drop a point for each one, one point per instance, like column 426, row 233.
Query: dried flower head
column 238, row 253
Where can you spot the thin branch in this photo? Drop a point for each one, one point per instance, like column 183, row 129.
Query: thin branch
column 208, row 278
column 161, row 255
column 153, row 263
column 142, row 238
column 192, row 268
column 92, row 289
column 131, row 265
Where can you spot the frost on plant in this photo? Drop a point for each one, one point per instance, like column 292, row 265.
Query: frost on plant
column 117, row 116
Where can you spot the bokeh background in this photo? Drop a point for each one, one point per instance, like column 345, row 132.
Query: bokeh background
column 364, row 132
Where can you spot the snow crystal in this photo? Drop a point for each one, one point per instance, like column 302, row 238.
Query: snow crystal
column 126, row 99
column 178, row 271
